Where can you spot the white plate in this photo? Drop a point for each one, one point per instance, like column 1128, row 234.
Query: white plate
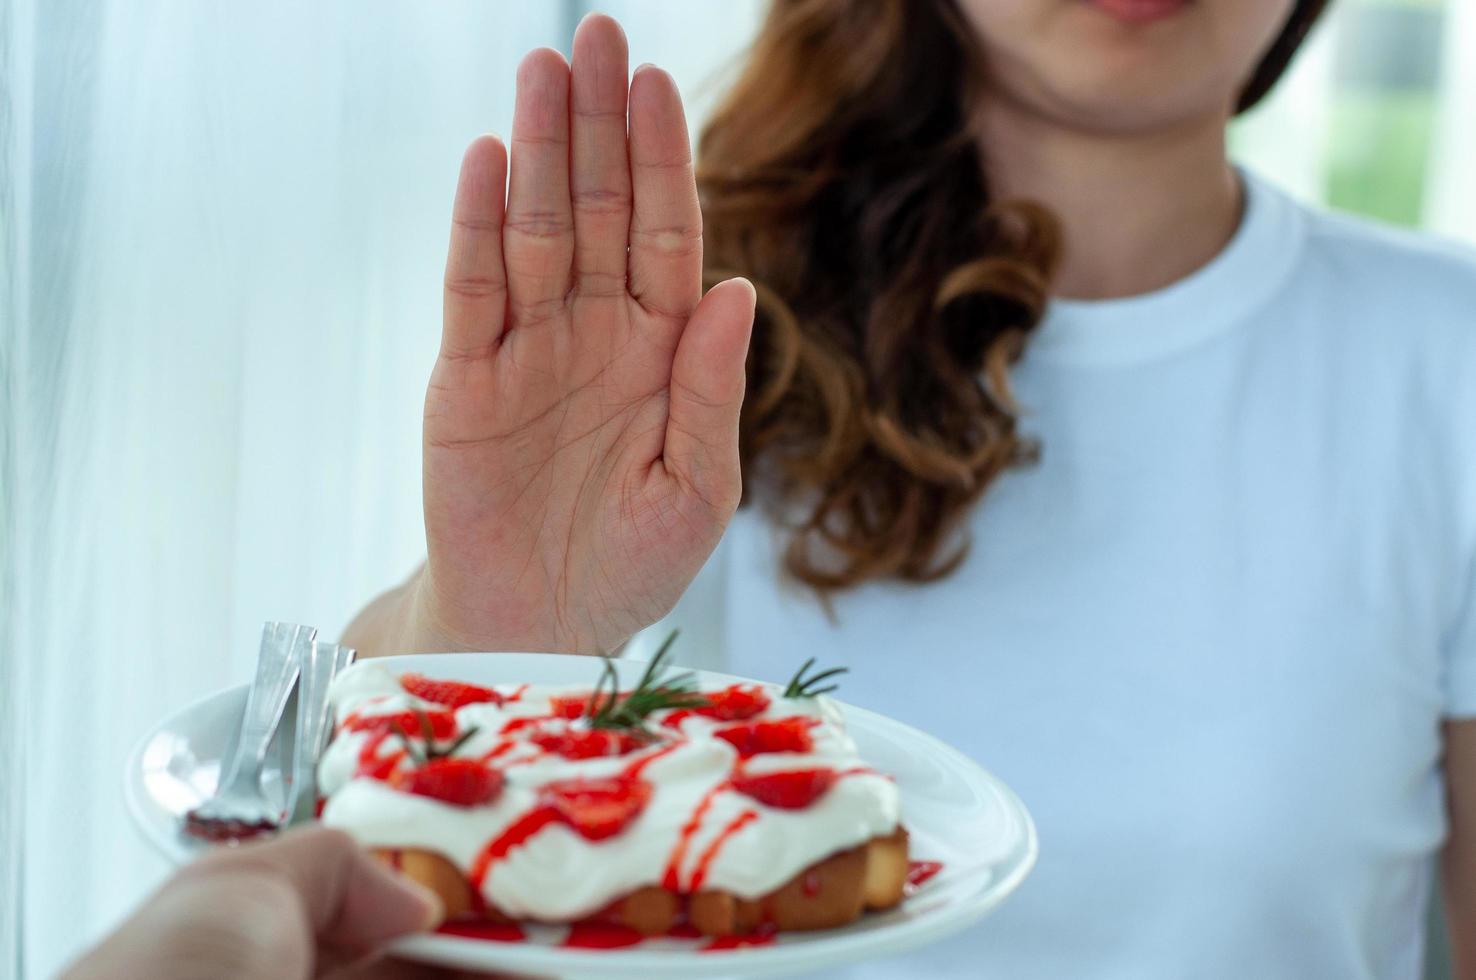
column 955, row 812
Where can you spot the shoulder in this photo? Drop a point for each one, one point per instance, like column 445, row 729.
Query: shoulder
column 1424, row 275
column 1391, row 313
column 1385, row 302
column 1376, row 328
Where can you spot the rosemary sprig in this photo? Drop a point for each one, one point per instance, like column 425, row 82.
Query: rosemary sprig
column 431, row 752
column 801, row 686
column 653, row 692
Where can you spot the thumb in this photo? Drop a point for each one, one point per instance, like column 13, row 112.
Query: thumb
column 353, row 902
column 707, row 381
column 311, row 898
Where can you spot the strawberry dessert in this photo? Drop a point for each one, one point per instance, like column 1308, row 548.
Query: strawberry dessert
column 735, row 811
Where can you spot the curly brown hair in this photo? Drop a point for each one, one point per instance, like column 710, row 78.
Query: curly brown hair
column 841, row 176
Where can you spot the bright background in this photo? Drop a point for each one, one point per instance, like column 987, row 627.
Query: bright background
column 221, row 231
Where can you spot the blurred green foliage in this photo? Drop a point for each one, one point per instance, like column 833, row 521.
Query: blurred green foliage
column 1352, row 124
column 1379, row 148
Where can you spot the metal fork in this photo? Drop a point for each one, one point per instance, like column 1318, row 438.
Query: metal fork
column 239, row 808
column 323, row 663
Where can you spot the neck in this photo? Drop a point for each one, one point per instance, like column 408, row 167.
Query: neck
column 1137, row 212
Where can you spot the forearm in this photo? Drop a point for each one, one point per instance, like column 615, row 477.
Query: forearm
column 398, row 621
column 1458, row 860
column 1458, row 919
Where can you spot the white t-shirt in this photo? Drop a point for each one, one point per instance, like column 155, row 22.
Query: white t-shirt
column 1210, row 638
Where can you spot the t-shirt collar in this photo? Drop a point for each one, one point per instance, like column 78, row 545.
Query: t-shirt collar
column 1247, row 272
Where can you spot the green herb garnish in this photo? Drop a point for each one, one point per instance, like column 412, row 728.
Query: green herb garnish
column 652, row 693
column 801, row 686
column 431, row 752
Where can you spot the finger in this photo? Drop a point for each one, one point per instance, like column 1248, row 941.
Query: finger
column 352, row 901
column 538, row 234
column 707, row 380
column 476, row 284
column 666, row 223
column 244, row 923
column 600, row 180
column 391, row 969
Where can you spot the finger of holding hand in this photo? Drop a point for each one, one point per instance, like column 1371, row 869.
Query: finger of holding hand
column 353, row 902
column 284, row 908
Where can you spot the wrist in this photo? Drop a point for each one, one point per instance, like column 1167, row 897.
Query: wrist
column 425, row 628
column 432, row 622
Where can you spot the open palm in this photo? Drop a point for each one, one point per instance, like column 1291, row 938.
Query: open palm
column 581, row 425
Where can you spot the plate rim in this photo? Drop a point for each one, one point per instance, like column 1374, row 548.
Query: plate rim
column 134, row 795
column 831, row 950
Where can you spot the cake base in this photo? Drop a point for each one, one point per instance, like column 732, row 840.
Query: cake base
column 831, row 892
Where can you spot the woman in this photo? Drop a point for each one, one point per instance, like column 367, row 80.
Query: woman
column 1219, row 631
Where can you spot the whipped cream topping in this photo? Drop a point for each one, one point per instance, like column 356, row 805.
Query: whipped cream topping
column 695, row 831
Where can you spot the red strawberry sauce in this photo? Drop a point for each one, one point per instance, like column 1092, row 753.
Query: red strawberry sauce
column 496, row 932
column 639, row 766
column 724, row 943
column 919, row 872
column 518, row 833
column 670, row 879
column 705, row 861
column 535, row 820
column 601, row 935
column 370, row 762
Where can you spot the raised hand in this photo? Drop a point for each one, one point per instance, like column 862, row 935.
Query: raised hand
column 581, row 426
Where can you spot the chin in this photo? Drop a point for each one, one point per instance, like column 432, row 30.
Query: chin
column 1139, row 99
column 1124, row 65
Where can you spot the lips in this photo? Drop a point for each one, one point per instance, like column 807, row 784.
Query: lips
column 1139, row 11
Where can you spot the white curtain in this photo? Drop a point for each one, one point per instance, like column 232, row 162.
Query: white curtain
column 221, row 230
column 223, row 233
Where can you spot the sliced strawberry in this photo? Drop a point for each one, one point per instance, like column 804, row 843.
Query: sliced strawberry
column 442, row 723
column 586, row 743
column 735, row 703
column 779, row 735
column 453, row 694
column 598, row 808
column 574, row 705
column 793, row 790
column 568, row 705
column 460, row 782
